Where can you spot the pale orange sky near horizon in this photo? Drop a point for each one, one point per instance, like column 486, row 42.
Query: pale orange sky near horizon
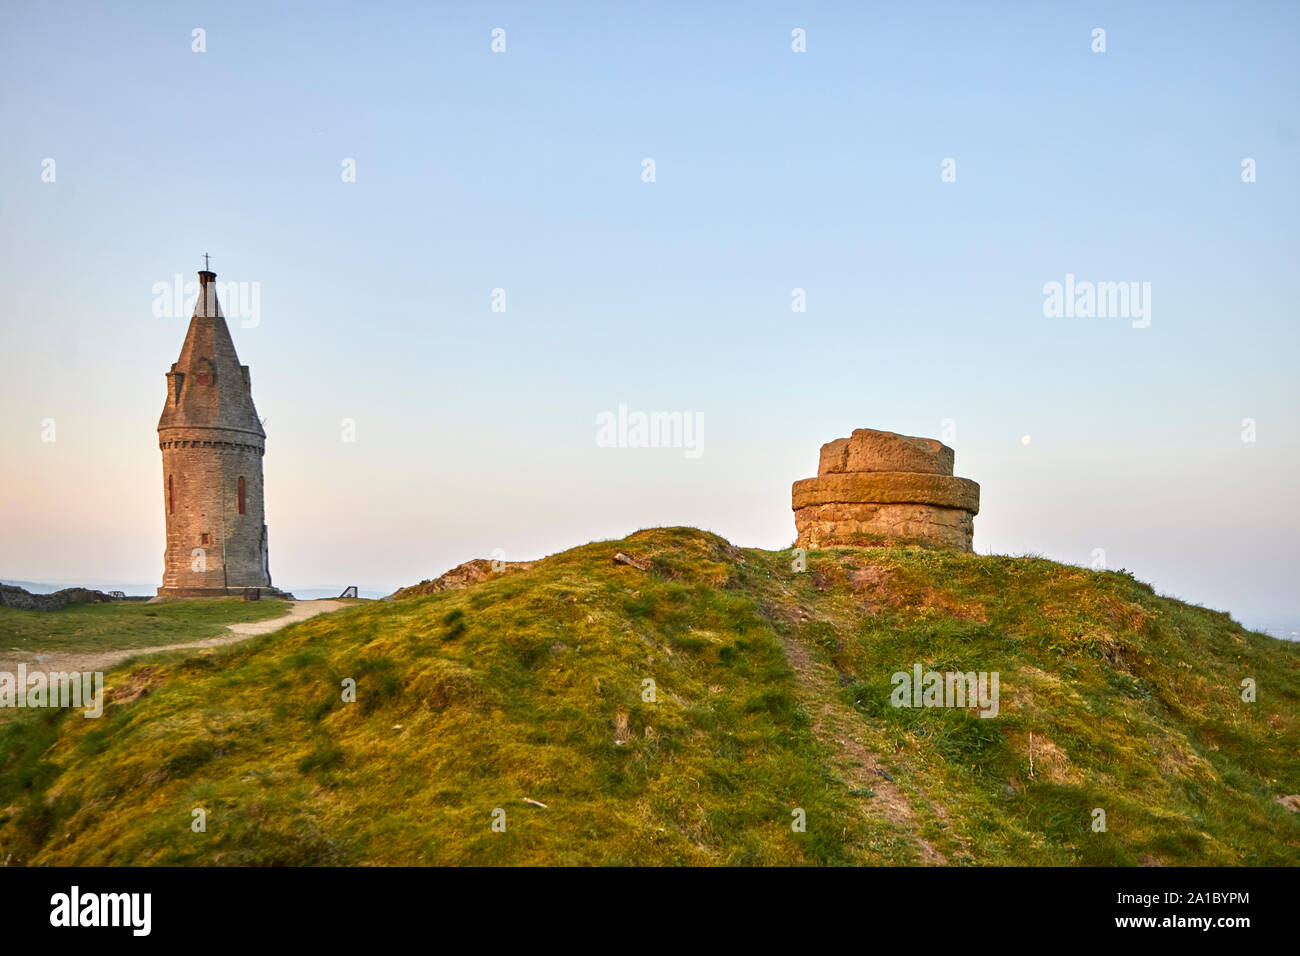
column 385, row 511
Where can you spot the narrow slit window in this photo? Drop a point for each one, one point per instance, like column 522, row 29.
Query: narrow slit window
column 241, row 495
column 171, row 496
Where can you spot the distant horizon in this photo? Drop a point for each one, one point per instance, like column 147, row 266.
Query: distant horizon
column 1283, row 626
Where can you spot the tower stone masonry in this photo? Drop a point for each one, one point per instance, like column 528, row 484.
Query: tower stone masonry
column 212, row 445
column 881, row 488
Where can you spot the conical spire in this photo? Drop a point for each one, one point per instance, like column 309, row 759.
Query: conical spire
column 206, row 305
column 207, row 387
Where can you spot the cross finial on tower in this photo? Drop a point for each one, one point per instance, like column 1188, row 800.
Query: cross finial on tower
column 205, row 263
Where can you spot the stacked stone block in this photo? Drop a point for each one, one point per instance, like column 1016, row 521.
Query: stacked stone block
column 876, row 488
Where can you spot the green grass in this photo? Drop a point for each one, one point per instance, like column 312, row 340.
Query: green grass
column 770, row 688
column 120, row 624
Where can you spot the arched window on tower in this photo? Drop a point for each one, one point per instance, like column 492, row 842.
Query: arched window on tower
column 241, row 494
column 171, row 496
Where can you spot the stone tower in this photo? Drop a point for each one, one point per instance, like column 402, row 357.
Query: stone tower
column 881, row 488
column 212, row 445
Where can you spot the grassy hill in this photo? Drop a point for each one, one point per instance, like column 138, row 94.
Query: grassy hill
column 771, row 695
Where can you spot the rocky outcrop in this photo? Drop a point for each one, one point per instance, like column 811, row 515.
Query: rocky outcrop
column 877, row 488
column 462, row 576
column 23, row 600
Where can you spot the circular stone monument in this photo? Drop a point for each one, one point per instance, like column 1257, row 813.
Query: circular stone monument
column 878, row 488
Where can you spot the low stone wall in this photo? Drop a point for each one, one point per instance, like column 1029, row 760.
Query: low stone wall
column 23, row 600
column 877, row 488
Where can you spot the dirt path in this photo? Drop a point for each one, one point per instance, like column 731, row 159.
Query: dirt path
column 834, row 724
column 89, row 662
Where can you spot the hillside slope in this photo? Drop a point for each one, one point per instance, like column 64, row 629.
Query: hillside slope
column 771, row 695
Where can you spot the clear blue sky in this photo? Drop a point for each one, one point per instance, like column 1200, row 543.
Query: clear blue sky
column 775, row 170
